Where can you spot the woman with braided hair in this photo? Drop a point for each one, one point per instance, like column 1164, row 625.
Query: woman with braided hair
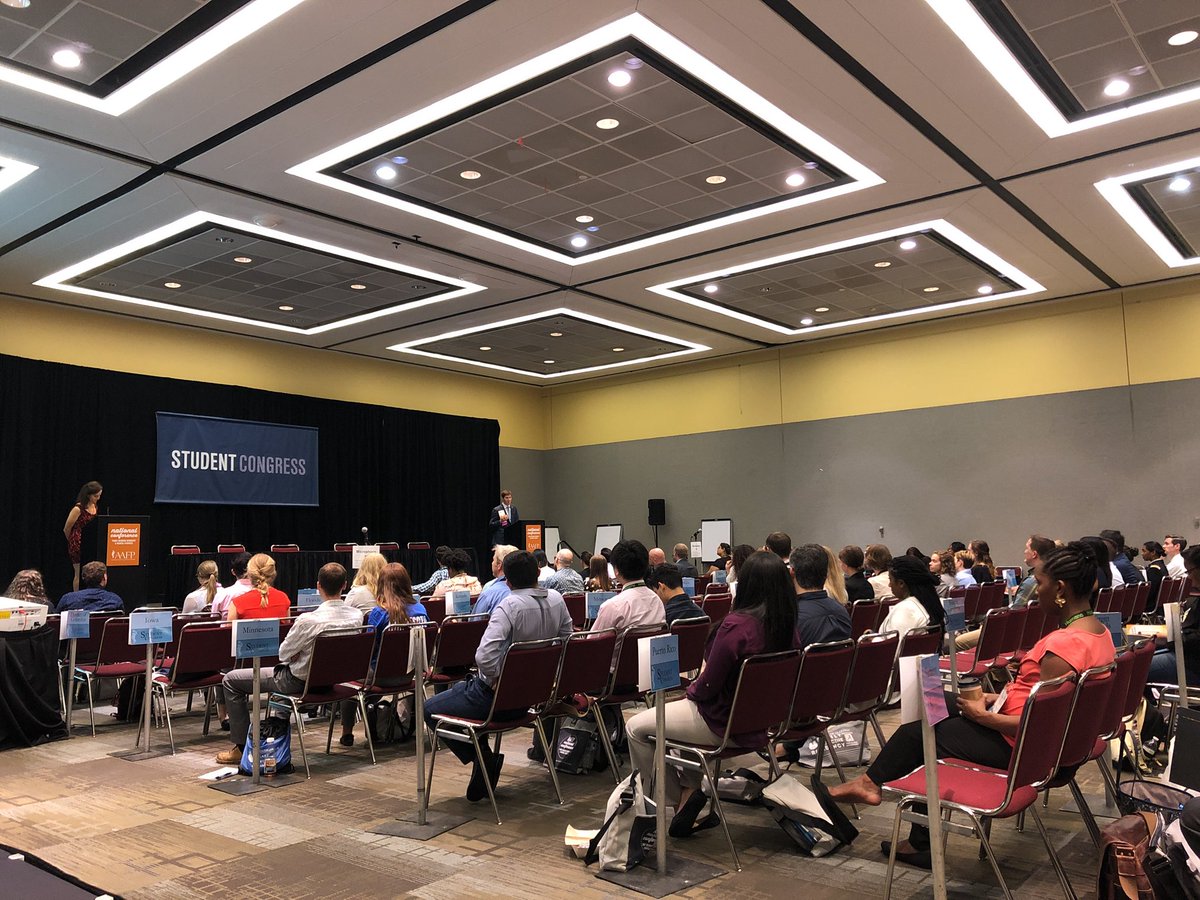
column 1066, row 579
column 916, row 589
column 264, row 601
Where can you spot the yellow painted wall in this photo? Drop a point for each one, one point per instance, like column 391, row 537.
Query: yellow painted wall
column 97, row 340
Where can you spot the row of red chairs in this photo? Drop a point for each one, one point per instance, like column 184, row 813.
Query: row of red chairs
column 194, row 549
column 1128, row 599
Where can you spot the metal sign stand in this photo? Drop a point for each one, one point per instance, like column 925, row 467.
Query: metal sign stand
column 138, row 752
column 70, row 698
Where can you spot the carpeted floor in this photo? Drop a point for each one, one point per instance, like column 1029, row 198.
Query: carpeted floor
column 152, row 829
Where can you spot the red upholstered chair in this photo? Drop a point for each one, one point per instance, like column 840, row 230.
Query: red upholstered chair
column 864, row 617
column 693, row 637
column 577, row 607
column 388, row 545
column 185, row 550
column 231, row 548
column 587, row 663
column 391, row 675
column 622, row 683
column 454, row 655
column 343, row 548
column 762, row 700
column 418, row 545
column 340, row 663
column 526, row 683
column 435, row 608
column 714, row 588
column 992, row 596
column 716, row 607
column 820, row 687
column 972, row 601
column 991, row 644
column 115, row 658
column 1104, row 600
column 1140, row 600
column 285, row 548
column 1014, row 631
column 982, row 793
column 202, row 654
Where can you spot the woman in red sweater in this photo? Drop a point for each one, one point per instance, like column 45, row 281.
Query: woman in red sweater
column 264, row 602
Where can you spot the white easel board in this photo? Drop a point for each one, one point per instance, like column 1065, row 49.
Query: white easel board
column 712, row 533
column 607, row 536
column 550, row 539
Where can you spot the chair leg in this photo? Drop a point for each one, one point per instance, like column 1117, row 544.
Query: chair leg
column 190, row 695
column 878, row 730
column 773, row 761
column 987, row 830
column 329, row 738
column 607, row 742
column 891, row 870
column 433, row 740
column 1021, row 822
column 487, row 781
column 716, row 802
column 167, row 714
column 362, row 711
column 91, row 703
column 982, row 831
column 862, row 743
column 541, row 733
column 208, row 708
column 299, row 739
column 1085, row 812
column 1068, row 891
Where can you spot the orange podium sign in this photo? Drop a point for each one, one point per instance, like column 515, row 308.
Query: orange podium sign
column 123, row 544
column 533, row 537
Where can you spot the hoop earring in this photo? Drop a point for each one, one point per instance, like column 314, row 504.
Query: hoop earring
column 1060, row 601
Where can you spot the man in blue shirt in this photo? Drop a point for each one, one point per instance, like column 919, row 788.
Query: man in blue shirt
column 666, row 581
column 425, row 588
column 496, row 589
column 93, row 578
column 819, row 617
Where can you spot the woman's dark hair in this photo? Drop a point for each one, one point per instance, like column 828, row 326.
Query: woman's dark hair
column 540, row 556
column 1154, row 547
column 741, row 553
column 916, row 551
column 914, row 572
column 1075, row 565
column 765, row 591
column 456, row 560
column 1103, row 558
column 723, row 550
column 598, row 572
column 440, row 554
column 86, row 492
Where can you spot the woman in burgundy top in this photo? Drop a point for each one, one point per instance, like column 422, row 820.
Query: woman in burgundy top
column 81, row 513
column 763, row 620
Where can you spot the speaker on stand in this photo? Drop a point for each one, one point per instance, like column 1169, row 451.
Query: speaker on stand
column 656, row 514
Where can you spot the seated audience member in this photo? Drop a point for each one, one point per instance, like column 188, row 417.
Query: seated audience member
column 1104, row 567
column 983, row 570
column 241, row 584
column 93, row 578
column 819, row 617
column 857, row 587
column 440, row 574
column 295, row 653
column 916, row 589
column 598, row 579
column 835, row 581
column 636, row 604
column 1120, row 559
column 1036, row 547
column 263, row 600
column 683, row 561
column 779, row 543
column 955, row 546
column 202, row 597
column 914, row 551
column 763, row 620
column 941, row 567
column 529, row 613
column 1173, row 547
column 878, row 558
column 496, row 589
column 1156, row 570
column 667, row 583
column 27, row 586
column 457, row 563
column 963, row 563
column 973, row 733
column 657, row 556
column 741, row 553
column 606, row 552
column 723, row 553
column 565, row 579
column 365, row 588
column 1163, row 669
column 394, row 605
column 545, row 570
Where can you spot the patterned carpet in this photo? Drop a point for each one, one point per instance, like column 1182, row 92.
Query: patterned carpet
column 152, row 829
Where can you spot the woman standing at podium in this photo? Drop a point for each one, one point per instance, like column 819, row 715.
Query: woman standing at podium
column 81, row 513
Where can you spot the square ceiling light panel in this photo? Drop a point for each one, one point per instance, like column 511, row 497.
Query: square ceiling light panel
column 1079, row 64
column 238, row 272
column 550, row 345
column 1163, row 206
column 896, row 274
column 12, row 171
column 110, row 55
column 621, row 139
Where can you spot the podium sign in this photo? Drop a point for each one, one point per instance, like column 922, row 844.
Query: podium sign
column 122, row 544
column 532, row 536
column 359, row 553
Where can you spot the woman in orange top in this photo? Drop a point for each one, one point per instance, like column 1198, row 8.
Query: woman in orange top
column 264, row 602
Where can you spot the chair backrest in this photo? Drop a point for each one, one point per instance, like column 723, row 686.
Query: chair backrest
column 821, row 683
column 625, row 672
column 1129, row 595
column 1040, row 733
column 871, row 671
column 231, row 548
column 417, row 545
column 1104, row 600
column 885, row 609
column 1143, row 654
column 343, row 548
column 716, row 607
column 340, row 656
column 922, row 640
column 762, row 698
column 992, row 635
column 587, row 663
column 864, row 617
column 1141, row 599
column 458, row 639
column 716, row 588
column 1014, row 629
column 1035, row 625
column 114, row 643
column 388, row 545
column 972, row 601
column 576, row 607
column 395, row 648
column 1093, row 695
column 693, row 636
column 435, row 608
column 185, row 550
column 1002, row 572
column 203, row 648
column 1124, row 664
column 285, row 548
column 528, row 674
column 270, row 662
column 88, row 648
column 991, row 596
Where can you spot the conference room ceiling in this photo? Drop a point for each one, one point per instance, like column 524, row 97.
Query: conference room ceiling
column 614, row 186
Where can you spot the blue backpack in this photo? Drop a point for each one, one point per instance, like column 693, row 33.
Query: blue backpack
column 275, row 756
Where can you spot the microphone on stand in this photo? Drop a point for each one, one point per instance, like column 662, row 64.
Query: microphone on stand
column 364, row 534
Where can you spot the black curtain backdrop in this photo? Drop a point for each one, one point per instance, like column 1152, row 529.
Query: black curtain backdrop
column 407, row 475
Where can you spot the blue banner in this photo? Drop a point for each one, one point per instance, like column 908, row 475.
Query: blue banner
column 228, row 461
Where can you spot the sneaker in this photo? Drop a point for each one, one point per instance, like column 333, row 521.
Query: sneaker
column 230, row 757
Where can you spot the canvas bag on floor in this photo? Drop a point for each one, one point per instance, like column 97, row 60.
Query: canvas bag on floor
column 628, row 833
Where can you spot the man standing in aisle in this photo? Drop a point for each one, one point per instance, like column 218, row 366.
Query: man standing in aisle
column 503, row 515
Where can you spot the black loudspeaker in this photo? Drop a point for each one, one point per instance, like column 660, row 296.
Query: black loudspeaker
column 657, row 510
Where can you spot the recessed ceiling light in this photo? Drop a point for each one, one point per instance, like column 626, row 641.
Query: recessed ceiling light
column 579, row 241
column 908, row 244
column 607, row 124
column 547, row 362
column 794, row 180
column 286, row 308
column 400, row 160
column 584, row 219
column 224, row 240
column 806, row 321
column 172, row 284
column 618, row 349
column 821, row 309
column 358, row 287
column 716, row 179
column 242, row 259
column 882, row 264
column 556, row 334
column 619, row 78
column 1118, row 87
column 593, row 228
column 469, row 174
column 485, row 348
column 1179, row 184
column 633, row 63
column 985, row 289
column 1176, row 40
column 386, row 172
column 930, row 290
column 67, row 58
column 16, row 4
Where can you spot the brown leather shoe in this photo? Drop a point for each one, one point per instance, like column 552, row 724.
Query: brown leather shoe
column 230, row 757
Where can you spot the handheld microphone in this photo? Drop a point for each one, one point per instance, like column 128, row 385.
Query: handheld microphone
column 364, row 533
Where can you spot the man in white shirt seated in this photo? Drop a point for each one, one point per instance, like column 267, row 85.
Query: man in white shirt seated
column 1173, row 547
column 565, row 579
column 295, row 656
column 636, row 604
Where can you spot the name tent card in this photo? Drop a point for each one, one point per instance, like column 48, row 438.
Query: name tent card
column 307, row 598
column 689, row 586
column 956, row 613
column 255, row 637
column 459, row 602
column 75, row 624
column 1010, row 578
column 153, row 627
column 932, row 693
column 1112, row 621
column 720, row 577
column 359, row 553
column 595, row 599
column 658, row 662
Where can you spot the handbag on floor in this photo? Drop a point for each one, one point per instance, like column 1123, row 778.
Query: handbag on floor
column 744, row 786
column 809, row 817
column 275, row 753
column 629, row 830
column 390, row 723
column 578, row 747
